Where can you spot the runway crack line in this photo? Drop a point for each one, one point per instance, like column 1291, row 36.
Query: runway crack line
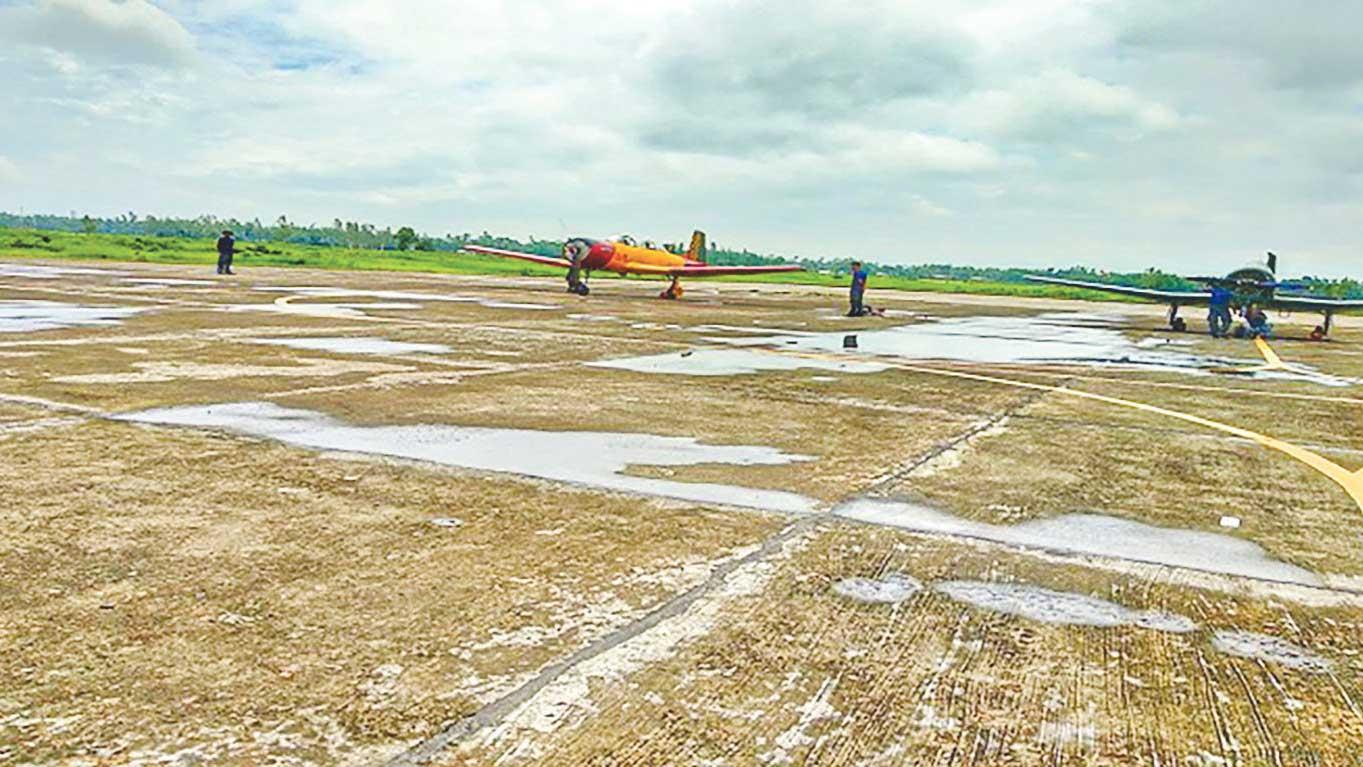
column 947, row 445
column 494, row 712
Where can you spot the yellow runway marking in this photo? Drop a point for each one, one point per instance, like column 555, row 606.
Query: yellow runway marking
column 1231, row 390
column 1271, row 357
column 1349, row 479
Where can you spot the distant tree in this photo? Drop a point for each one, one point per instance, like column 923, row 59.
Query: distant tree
column 357, row 235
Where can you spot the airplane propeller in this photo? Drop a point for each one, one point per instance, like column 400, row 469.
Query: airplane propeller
column 575, row 251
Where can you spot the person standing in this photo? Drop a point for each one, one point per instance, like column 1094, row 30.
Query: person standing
column 227, row 247
column 1218, row 316
column 857, row 294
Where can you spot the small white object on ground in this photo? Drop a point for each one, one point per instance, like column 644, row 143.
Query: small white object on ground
column 1231, row 522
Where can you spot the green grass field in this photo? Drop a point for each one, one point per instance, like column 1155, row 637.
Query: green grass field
column 28, row 243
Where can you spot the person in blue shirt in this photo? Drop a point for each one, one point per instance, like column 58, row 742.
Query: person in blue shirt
column 1218, row 316
column 858, row 291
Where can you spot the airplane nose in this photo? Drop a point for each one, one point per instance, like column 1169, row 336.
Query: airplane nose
column 575, row 250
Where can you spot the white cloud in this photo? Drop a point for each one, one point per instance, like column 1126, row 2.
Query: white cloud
column 9, row 172
column 1058, row 104
column 122, row 33
column 1118, row 132
column 1311, row 46
column 873, row 150
column 925, row 207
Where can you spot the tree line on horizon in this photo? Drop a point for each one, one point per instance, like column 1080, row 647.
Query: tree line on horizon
column 359, row 235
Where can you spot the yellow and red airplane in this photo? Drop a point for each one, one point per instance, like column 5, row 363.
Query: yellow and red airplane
column 582, row 255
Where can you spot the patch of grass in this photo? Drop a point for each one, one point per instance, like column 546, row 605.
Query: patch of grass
column 189, row 251
column 28, row 243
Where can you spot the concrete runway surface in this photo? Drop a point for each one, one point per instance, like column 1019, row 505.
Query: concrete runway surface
column 345, row 518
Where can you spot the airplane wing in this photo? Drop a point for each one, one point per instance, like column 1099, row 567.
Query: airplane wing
column 549, row 260
column 707, row 270
column 1180, row 297
column 1314, row 303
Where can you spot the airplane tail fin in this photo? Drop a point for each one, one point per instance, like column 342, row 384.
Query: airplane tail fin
column 1272, row 262
column 697, row 250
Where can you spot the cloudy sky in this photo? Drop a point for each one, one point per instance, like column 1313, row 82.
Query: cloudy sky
column 1185, row 134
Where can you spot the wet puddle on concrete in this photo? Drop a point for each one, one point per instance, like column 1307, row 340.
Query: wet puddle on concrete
column 728, row 362
column 1096, row 535
column 29, row 316
column 165, row 282
column 1249, row 644
column 353, row 345
column 593, row 318
column 1060, row 607
column 337, row 311
column 889, row 589
column 161, row 371
column 1296, row 372
column 41, row 272
column 758, row 330
column 593, row 459
column 405, row 296
column 1048, row 338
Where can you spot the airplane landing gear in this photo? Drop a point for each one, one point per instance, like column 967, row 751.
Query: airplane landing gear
column 1322, row 332
column 1177, row 323
column 673, row 292
column 577, row 282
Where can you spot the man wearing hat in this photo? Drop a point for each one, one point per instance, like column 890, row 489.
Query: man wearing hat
column 226, row 248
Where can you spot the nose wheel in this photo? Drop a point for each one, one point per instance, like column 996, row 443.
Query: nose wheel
column 576, row 253
column 577, row 283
